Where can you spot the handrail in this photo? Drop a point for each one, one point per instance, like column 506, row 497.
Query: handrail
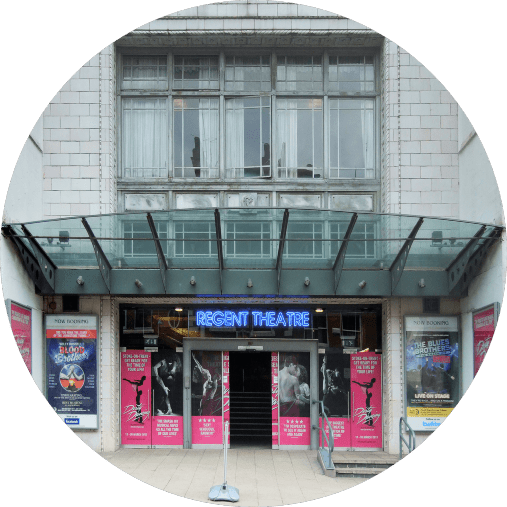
column 411, row 437
column 330, row 440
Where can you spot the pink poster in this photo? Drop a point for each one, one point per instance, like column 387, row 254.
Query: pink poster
column 274, row 399
column 135, row 402
column 167, row 430
column 366, row 392
column 294, row 398
column 341, row 431
column 207, row 388
column 294, row 431
column 21, row 325
column 484, row 327
column 206, row 430
column 226, row 389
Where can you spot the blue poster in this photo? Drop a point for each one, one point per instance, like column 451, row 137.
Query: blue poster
column 71, row 373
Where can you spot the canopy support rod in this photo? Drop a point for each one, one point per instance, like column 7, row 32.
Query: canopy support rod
column 219, row 246
column 281, row 245
column 399, row 262
column 340, row 258
column 464, row 268
column 103, row 263
column 45, row 283
column 46, row 265
column 162, row 263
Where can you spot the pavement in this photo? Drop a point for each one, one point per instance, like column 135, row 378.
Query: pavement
column 264, row 477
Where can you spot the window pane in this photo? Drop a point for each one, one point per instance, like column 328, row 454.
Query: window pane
column 300, row 140
column 144, row 73
column 305, row 240
column 199, row 239
column 351, row 73
column 196, row 72
column 248, row 234
column 248, row 137
column 299, row 73
column 351, row 138
column 196, row 144
column 144, row 138
column 247, row 73
column 139, row 247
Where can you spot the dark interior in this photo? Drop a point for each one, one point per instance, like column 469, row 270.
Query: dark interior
column 250, row 399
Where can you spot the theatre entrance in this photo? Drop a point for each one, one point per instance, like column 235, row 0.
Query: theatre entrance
column 250, row 399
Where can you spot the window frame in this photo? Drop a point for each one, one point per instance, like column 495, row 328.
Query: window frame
column 222, row 94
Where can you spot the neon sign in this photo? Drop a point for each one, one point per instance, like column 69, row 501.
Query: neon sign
column 230, row 318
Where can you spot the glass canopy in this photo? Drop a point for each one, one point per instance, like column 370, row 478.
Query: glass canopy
column 272, row 239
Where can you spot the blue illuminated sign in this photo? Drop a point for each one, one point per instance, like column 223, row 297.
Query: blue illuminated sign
column 229, row 318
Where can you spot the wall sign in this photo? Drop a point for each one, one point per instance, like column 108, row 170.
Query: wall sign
column 21, row 325
column 484, row 323
column 432, row 372
column 258, row 318
column 71, row 368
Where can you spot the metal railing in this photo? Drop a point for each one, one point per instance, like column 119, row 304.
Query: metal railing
column 330, row 440
column 411, row 436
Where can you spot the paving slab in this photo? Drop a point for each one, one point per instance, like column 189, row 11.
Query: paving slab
column 264, row 477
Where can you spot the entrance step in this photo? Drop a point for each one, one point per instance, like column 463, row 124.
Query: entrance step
column 359, row 470
column 250, row 415
column 362, row 464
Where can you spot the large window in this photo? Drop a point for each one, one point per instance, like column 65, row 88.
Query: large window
column 195, row 146
column 230, row 117
column 300, row 144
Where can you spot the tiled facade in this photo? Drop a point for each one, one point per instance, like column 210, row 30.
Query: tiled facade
column 419, row 172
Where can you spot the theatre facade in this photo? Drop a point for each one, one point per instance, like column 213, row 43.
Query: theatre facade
column 250, row 213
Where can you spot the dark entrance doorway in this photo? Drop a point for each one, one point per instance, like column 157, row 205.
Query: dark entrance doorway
column 250, row 398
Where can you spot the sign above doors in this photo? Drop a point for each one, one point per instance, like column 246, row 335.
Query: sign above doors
column 243, row 318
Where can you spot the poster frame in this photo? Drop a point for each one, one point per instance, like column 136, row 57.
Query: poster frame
column 97, row 358
column 496, row 312
column 8, row 304
column 404, row 356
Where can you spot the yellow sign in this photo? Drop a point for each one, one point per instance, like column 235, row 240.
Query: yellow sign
column 428, row 412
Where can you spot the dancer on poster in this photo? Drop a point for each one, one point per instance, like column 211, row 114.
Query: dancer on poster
column 366, row 386
column 211, row 401
column 289, row 388
column 136, row 384
column 163, row 376
column 334, row 392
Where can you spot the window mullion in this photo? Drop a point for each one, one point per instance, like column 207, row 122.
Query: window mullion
column 170, row 123
column 325, row 117
column 273, row 137
column 170, row 128
column 325, row 133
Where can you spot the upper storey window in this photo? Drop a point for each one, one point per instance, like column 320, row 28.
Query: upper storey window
column 249, row 74
column 196, row 72
column 144, row 72
column 240, row 115
column 297, row 73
